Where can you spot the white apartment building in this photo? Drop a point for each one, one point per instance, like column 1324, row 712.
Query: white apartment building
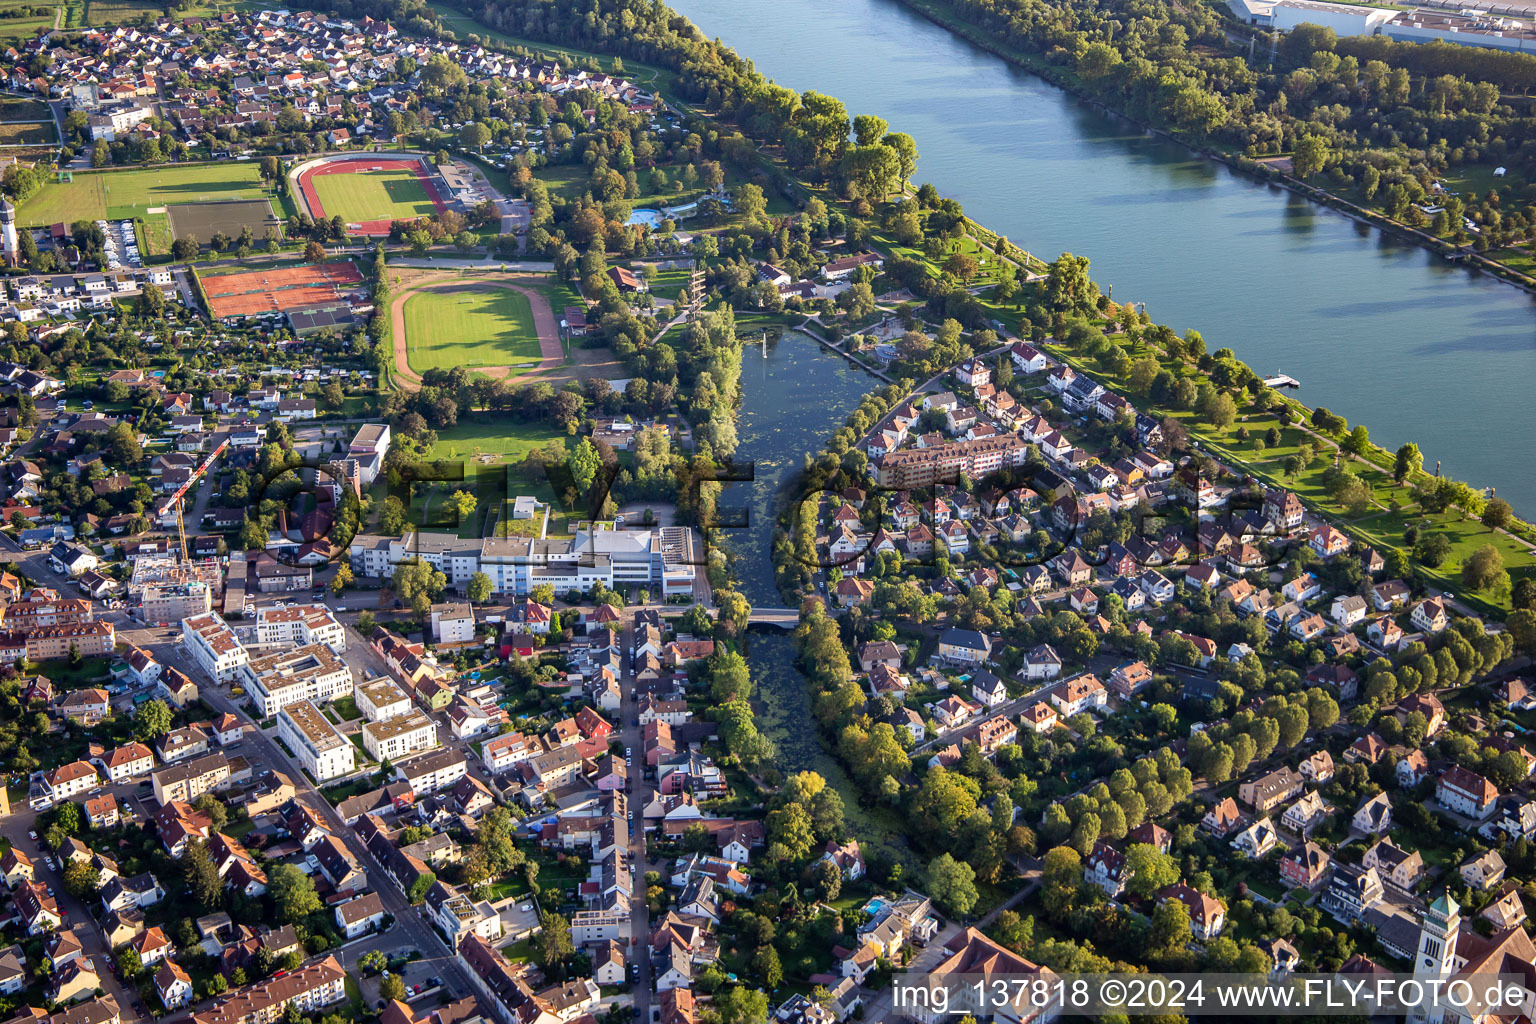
column 502, row 753
column 188, row 780
column 71, row 780
column 302, row 624
column 663, row 559
column 453, row 622
column 595, row 927
column 433, row 771
column 400, row 736
column 214, row 646
column 324, row 752
column 380, row 698
column 312, row 673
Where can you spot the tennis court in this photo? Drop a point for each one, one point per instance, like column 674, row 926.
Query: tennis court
column 280, row 289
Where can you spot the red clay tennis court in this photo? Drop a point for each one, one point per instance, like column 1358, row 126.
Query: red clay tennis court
column 351, row 165
column 280, row 289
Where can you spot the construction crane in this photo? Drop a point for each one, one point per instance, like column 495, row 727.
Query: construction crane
column 176, row 500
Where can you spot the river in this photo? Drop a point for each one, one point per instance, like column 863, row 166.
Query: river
column 794, row 394
column 1380, row 332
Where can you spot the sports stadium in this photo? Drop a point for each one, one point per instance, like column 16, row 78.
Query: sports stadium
column 370, row 191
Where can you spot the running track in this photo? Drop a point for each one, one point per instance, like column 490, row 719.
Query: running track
column 551, row 353
column 356, row 166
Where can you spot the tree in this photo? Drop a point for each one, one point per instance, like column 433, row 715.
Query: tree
column 391, row 987
column 1309, row 156
column 418, row 584
column 905, row 148
column 952, row 884
column 584, row 462
column 293, row 893
column 1409, row 460
column 129, row 965
column 343, row 578
column 474, row 135
column 1497, row 515
column 314, row 252
column 741, row 1005
column 152, row 720
column 1484, row 569
column 185, row 248
column 81, row 880
column 210, row 805
column 868, row 129
column 554, row 948
column 479, row 588
column 1357, row 441
column 463, row 502
column 202, row 875
column 1148, row 869
column 1170, row 925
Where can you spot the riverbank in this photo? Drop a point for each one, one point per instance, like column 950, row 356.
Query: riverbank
column 939, row 13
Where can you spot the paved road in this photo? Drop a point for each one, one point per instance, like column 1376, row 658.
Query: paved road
column 640, row 793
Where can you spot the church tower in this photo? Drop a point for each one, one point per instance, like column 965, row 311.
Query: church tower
column 1437, row 947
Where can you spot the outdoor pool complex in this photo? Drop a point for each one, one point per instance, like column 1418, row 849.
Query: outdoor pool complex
column 650, row 218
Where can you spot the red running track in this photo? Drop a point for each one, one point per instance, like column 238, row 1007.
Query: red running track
column 353, row 166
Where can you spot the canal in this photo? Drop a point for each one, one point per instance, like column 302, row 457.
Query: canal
column 1378, row 331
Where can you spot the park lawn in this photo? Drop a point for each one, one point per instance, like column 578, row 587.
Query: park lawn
column 364, row 196
column 1515, row 258
column 507, row 439
column 1479, row 178
column 128, row 194
column 473, row 328
column 669, row 283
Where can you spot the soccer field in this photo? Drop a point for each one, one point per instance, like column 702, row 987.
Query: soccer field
column 473, row 326
column 395, row 194
column 122, row 194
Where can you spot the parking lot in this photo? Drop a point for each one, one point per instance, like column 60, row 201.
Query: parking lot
column 421, row 977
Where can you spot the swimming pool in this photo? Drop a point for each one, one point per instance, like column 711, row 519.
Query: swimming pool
column 650, row 218
column 874, row 906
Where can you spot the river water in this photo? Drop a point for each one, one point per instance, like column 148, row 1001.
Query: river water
column 1378, row 331
column 794, row 394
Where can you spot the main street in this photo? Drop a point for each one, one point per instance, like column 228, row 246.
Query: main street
column 639, row 795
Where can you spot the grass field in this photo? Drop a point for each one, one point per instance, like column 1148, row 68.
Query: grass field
column 493, row 327
column 372, row 195
column 28, row 133
column 121, row 194
column 19, row 108
column 498, row 436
